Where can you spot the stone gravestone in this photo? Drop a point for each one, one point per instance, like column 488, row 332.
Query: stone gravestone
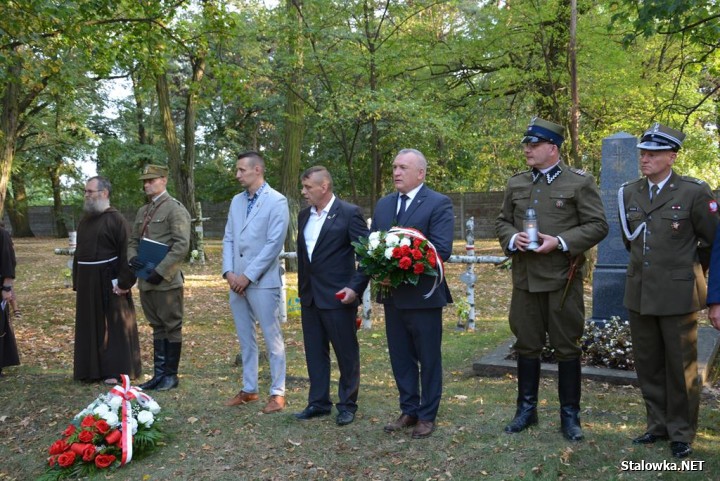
column 619, row 165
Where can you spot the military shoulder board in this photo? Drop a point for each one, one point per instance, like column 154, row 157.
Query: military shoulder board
column 521, row 172
column 582, row 172
column 692, row 179
column 632, row 181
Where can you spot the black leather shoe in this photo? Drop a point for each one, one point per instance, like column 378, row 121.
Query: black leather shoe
column 648, row 438
column 680, row 449
column 344, row 418
column 311, row 412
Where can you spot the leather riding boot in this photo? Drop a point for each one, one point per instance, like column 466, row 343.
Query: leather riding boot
column 158, row 364
column 569, row 375
column 528, row 384
column 170, row 379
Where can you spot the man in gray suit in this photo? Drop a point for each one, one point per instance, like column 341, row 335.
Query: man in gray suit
column 254, row 236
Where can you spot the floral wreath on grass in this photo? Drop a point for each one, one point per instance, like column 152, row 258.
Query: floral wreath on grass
column 398, row 256
column 106, row 435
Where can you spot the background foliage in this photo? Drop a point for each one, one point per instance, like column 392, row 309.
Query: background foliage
column 123, row 83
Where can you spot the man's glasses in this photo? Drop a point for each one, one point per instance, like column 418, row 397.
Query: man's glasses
column 89, row 191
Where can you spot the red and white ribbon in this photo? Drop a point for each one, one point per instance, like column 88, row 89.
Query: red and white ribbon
column 410, row 232
column 128, row 393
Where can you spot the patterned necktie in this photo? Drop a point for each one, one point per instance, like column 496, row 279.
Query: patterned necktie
column 403, row 206
column 653, row 192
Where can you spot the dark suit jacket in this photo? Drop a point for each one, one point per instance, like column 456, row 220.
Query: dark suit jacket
column 432, row 214
column 333, row 261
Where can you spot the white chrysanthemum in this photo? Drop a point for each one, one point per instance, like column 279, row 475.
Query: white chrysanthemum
column 373, row 243
column 405, row 241
column 101, row 410
column 153, row 406
column 146, row 418
column 388, row 252
column 392, row 240
column 115, row 403
column 112, row 419
column 374, row 236
column 133, row 425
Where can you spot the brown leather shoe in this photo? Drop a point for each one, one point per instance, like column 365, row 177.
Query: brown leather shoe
column 275, row 404
column 423, row 429
column 242, row 398
column 404, row 421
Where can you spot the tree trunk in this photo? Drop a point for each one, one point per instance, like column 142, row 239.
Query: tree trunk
column 57, row 208
column 17, row 208
column 294, row 131
column 575, row 96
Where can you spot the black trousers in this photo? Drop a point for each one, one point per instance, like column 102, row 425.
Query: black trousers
column 336, row 327
column 414, row 338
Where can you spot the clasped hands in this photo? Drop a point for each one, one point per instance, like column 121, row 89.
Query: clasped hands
column 548, row 243
column 237, row 282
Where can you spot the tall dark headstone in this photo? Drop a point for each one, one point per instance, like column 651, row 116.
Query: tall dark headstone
column 619, row 165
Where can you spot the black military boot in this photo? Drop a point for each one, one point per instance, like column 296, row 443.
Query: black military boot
column 170, row 379
column 569, row 393
column 159, row 365
column 528, row 383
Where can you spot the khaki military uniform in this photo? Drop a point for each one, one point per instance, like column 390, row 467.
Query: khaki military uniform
column 664, row 289
column 166, row 220
column 569, row 206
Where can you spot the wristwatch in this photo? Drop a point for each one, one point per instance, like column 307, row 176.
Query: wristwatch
column 560, row 246
column 7, row 288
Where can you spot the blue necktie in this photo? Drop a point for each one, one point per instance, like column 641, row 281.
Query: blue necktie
column 403, row 206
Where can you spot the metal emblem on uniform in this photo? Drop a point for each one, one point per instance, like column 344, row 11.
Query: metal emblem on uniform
column 559, row 204
column 713, row 206
column 676, row 207
column 675, row 226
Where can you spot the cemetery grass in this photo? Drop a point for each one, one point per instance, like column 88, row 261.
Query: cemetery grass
column 208, row 441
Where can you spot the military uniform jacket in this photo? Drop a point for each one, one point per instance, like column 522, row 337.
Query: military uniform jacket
column 665, row 274
column 169, row 223
column 569, row 207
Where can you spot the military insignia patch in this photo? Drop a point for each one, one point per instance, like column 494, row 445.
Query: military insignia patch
column 559, row 204
column 713, row 206
column 675, row 226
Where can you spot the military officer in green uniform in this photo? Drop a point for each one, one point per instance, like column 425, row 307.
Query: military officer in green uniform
column 547, row 296
column 163, row 219
column 669, row 224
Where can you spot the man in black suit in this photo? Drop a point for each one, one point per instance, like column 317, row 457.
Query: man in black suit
column 330, row 285
column 413, row 322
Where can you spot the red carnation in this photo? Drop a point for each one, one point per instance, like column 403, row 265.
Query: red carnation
column 113, row 437
column 66, row 459
column 432, row 260
column 405, row 263
column 88, row 421
column 405, row 250
column 418, row 268
column 102, row 461
column 59, row 447
column 52, row 460
column 69, row 431
column 397, row 253
column 85, row 436
column 417, row 254
column 417, row 242
column 102, row 426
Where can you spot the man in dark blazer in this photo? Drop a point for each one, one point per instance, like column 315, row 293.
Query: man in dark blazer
column 413, row 322
column 329, row 288
column 669, row 224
